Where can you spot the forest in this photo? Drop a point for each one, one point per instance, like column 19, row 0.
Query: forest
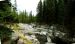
column 55, row 17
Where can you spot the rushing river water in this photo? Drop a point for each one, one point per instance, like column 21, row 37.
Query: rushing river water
column 37, row 34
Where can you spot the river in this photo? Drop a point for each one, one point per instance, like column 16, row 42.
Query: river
column 38, row 34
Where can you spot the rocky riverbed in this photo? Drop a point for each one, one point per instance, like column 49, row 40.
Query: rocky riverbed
column 40, row 34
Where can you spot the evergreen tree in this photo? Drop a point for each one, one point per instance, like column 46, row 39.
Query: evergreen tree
column 69, row 21
column 39, row 12
column 30, row 17
column 24, row 17
column 49, row 11
column 44, row 11
column 5, row 11
column 53, row 12
column 60, row 13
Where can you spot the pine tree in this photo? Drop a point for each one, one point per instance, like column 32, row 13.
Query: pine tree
column 60, row 13
column 44, row 12
column 39, row 12
column 49, row 11
column 69, row 21
column 5, row 10
column 31, row 17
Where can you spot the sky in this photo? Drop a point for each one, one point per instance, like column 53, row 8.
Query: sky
column 28, row 5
